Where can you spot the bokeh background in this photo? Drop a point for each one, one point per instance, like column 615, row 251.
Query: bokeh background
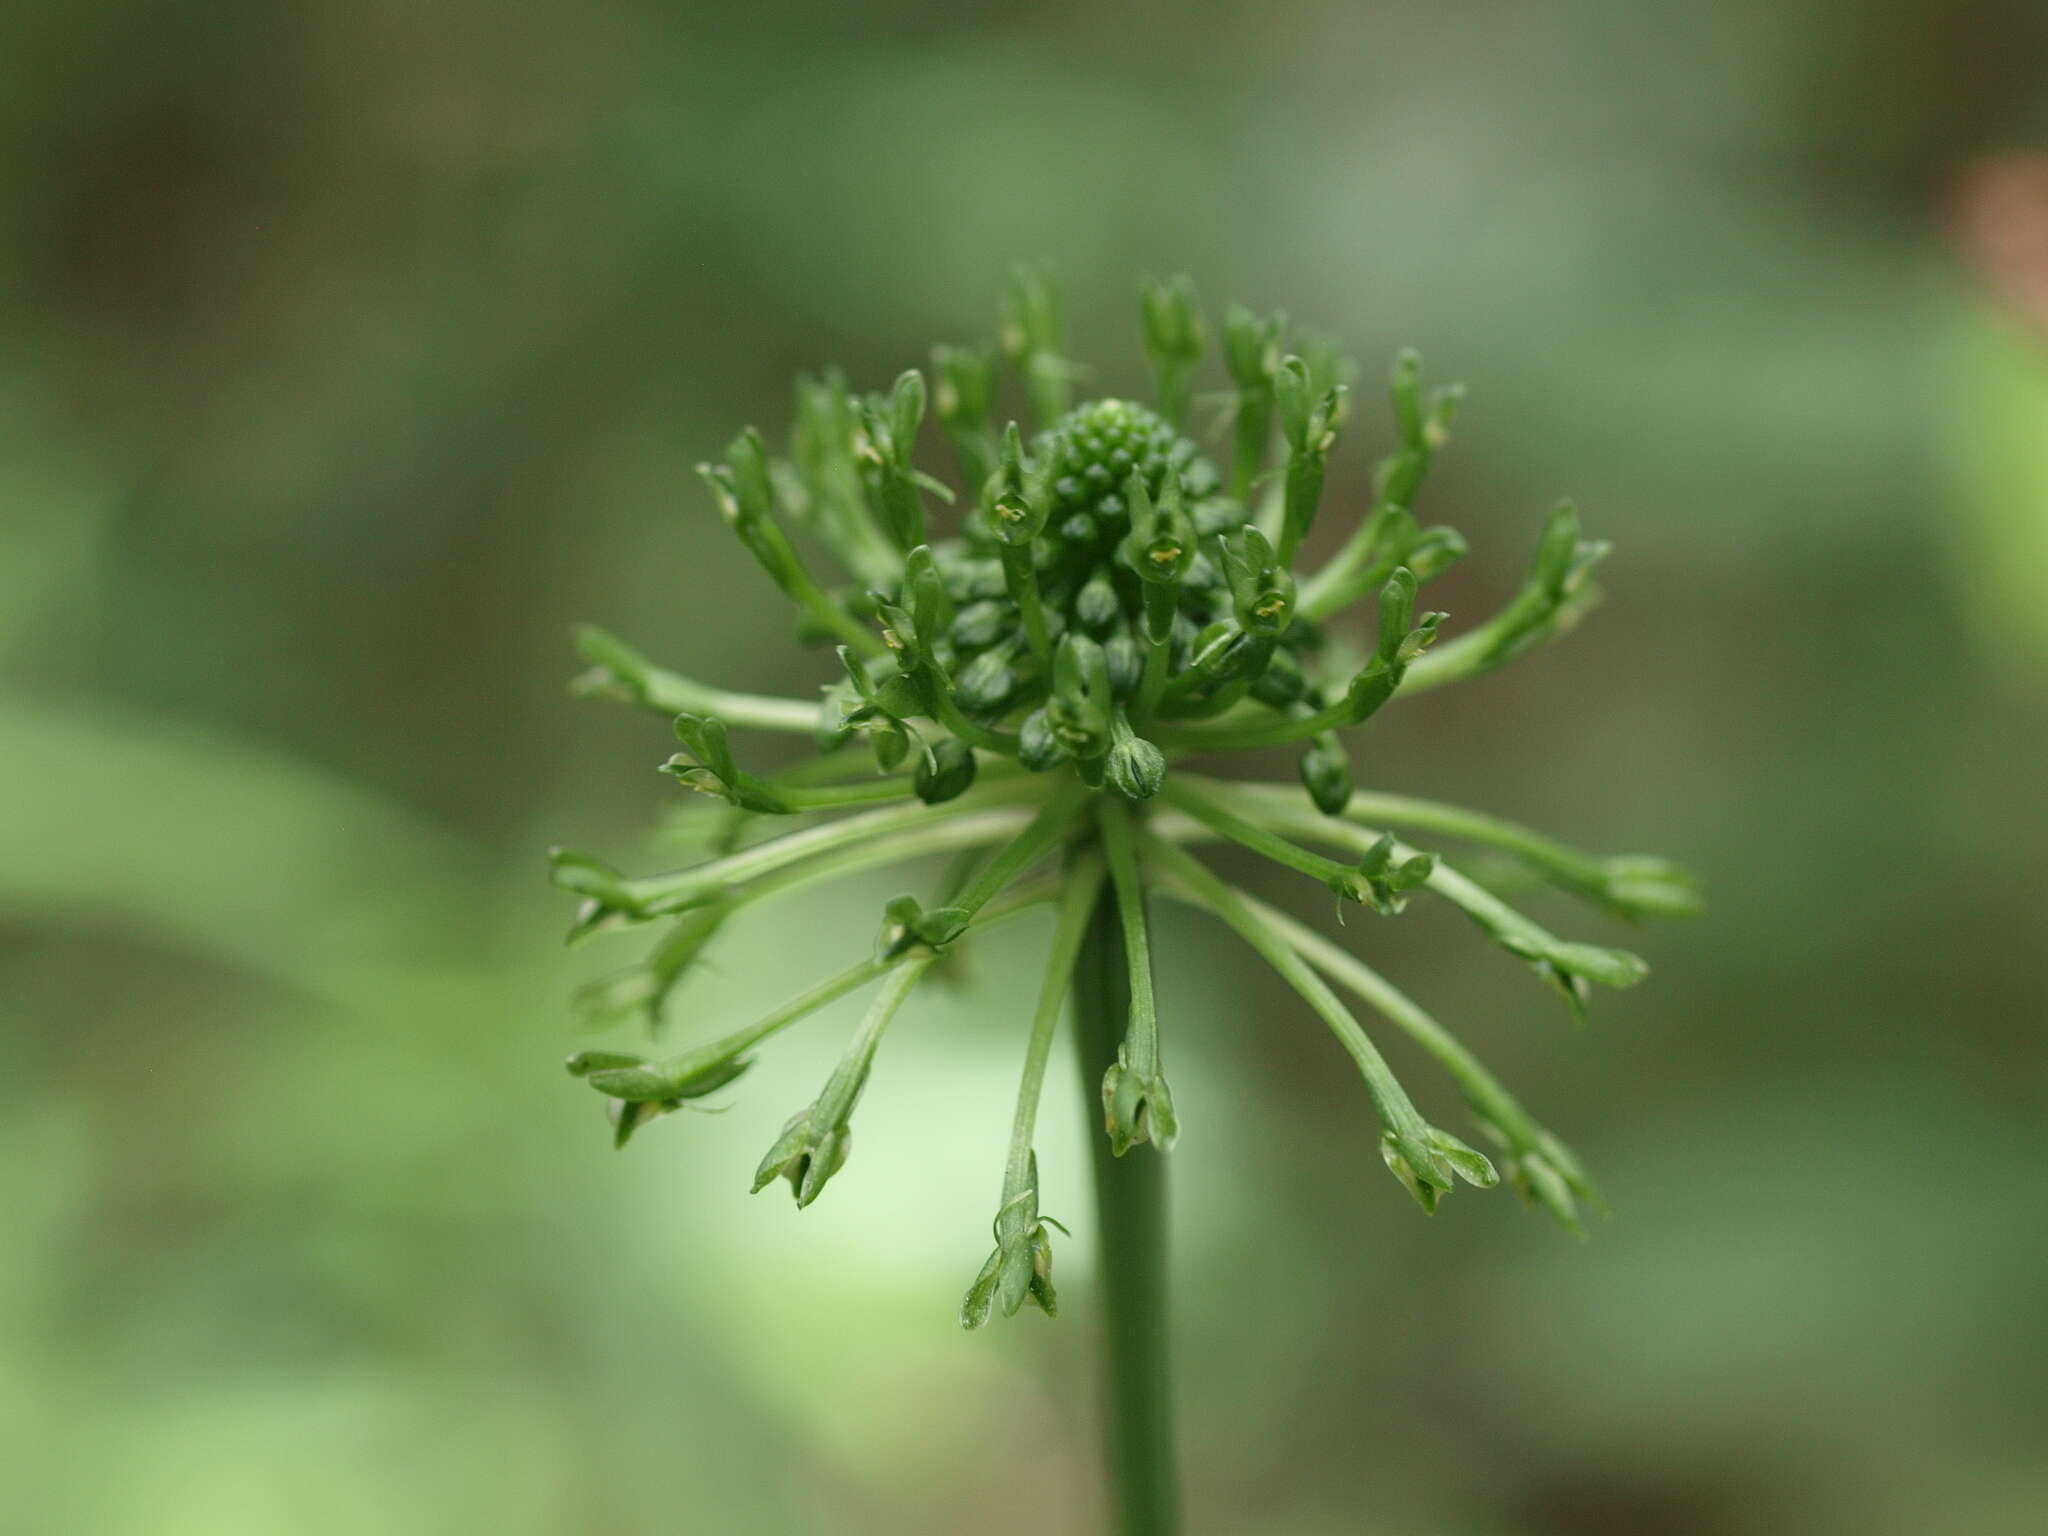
column 352, row 353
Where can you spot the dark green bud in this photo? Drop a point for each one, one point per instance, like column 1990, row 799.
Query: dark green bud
column 1326, row 774
column 1126, row 658
column 1096, row 605
column 890, row 742
column 1038, row 747
column 944, row 772
column 1283, row 682
column 986, row 682
column 979, row 624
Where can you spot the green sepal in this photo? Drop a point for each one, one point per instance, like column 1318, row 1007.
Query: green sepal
column 1429, row 1162
column 807, row 1154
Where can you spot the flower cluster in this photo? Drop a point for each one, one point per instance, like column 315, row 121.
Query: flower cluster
column 1025, row 691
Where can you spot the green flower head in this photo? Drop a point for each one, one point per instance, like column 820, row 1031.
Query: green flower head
column 1039, row 669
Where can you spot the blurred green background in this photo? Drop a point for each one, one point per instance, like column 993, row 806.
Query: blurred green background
column 354, row 352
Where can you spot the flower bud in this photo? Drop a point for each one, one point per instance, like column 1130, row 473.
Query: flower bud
column 986, row 682
column 1283, row 682
column 979, row 624
column 1126, row 660
column 1136, row 767
column 1096, row 604
column 1038, row 745
column 1326, row 774
column 944, row 772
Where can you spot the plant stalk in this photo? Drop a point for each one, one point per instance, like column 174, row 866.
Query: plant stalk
column 1130, row 1203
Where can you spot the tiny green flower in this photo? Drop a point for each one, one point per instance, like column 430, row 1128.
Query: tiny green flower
column 1027, row 665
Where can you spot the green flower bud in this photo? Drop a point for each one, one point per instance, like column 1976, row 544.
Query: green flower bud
column 979, row 624
column 1283, row 682
column 1136, row 767
column 1126, row 660
column 986, row 682
column 945, row 772
column 1326, row 774
column 1096, row 605
column 1038, row 745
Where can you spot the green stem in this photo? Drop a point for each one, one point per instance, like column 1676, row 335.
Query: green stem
column 1130, row 1201
column 1259, row 839
column 1502, row 639
column 621, row 671
column 1081, row 882
column 1389, row 1099
column 750, row 863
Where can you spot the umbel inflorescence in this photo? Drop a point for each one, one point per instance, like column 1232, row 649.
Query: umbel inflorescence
column 1027, row 680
